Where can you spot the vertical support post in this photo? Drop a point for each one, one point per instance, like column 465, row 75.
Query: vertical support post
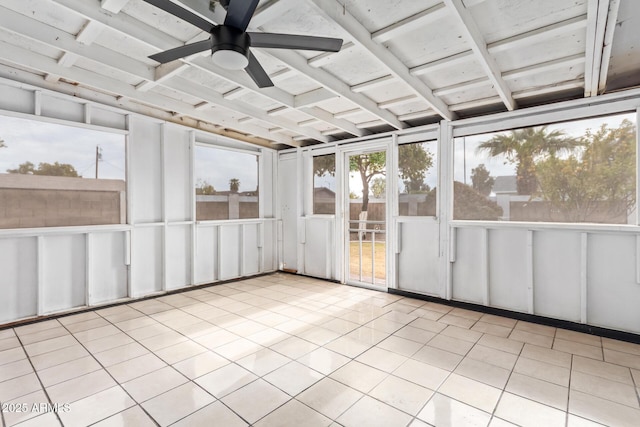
column 87, row 113
column 37, row 102
column 88, row 268
column 373, row 256
column 163, row 195
column 584, row 253
column 192, row 199
column 530, row 281
column 486, row 298
column 444, row 206
column 40, row 273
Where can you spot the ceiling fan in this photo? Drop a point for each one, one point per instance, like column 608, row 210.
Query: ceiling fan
column 230, row 43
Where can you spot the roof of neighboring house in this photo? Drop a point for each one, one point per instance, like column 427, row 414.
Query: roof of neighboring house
column 505, row 184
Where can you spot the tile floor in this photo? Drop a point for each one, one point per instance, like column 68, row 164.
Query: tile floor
column 282, row 350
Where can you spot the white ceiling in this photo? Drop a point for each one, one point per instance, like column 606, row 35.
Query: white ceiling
column 403, row 63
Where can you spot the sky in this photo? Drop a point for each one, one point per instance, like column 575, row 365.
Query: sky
column 41, row 142
column 218, row 166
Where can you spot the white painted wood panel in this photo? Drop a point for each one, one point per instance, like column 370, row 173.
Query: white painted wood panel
column 177, row 176
column 145, row 170
column 58, row 108
column 318, row 247
column 108, row 271
column 64, row 272
column 178, row 256
column 146, row 260
column 287, row 194
column 206, row 254
column 469, row 272
column 19, row 278
column 250, row 250
column 417, row 260
column 508, row 269
column 17, row 99
column 230, row 246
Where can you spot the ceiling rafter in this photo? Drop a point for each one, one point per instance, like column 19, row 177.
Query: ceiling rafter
column 612, row 18
column 47, row 65
column 335, row 12
column 598, row 20
column 410, row 23
column 479, row 47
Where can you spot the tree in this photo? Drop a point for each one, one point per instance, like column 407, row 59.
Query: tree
column 414, row 160
column 46, row 169
column 2, row 144
column 204, row 188
column 523, row 147
column 368, row 166
column 234, row 185
column 378, row 187
column 481, row 179
column 470, row 204
column 600, row 180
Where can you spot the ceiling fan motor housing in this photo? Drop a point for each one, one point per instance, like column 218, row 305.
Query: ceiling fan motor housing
column 229, row 38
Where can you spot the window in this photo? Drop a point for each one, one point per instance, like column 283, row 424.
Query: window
column 226, row 184
column 324, row 184
column 418, row 178
column 56, row 175
column 580, row 171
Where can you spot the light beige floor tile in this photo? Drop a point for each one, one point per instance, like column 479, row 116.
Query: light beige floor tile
column 85, row 325
column 201, row 364
column 180, row 352
column 399, row 345
column 602, row 411
column 493, row 356
column 97, row 333
column 323, row 360
column 12, row 355
column 428, row 325
column 436, row 357
column 462, row 322
column 498, row 320
column 491, row 329
column 348, row 347
column 453, row 345
column 96, row 407
column 578, row 349
column 623, row 346
column 531, row 338
column 543, row 371
column 536, row 328
column 329, row 397
column 134, row 368
column 9, row 343
column 421, row 336
column 385, row 325
column 255, row 400
column 7, row 333
column 371, row 412
column 434, row 306
column 468, row 314
column 443, row 411
column 527, row 413
column 19, row 386
column 622, row 358
column 401, row 316
column 150, row 331
column 579, row 337
column 294, row 347
column 22, row 408
column 133, row 416
column 422, row 374
column 602, row 369
column 368, row 335
column 57, row 357
column 341, row 326
column 538, row 390
column 636, row 376
column 48, row 419
column 294, row 414
column 318, row 335
column 163, row 340
column 68, row 370
column 225, row 380
column 216, row 339
column 575, row 421
column 462, row 333
column 108, row 343
column 503, row 344
column 605, row 389
column 497, row 422
column 49, row 345
column 15, row 369
column 177, row 403
column 382, row 359
column 36, row 327
column 151, row 385
column 263, row 362
column 402, row 394
column 483, row 372
column 293, row 378
column 359, row 376
column 121, row 354
column 195, row 330
column 427, row 314
column 542, row 354
column 471, row 392
column 238, row 349
column 123, row 315
column 81, row 387
column 268, row 337
column 247, row 327
column 222, row 415
column 136, row 323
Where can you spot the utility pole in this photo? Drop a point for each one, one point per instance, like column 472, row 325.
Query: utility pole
column 98, row 158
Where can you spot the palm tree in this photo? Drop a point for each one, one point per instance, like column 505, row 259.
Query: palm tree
column 234, row 185
column 523, row 147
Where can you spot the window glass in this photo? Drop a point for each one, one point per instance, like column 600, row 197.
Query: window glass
column 418, row 178
column 56, row 175
column 580, row 171
column 226, row 184
column 324, row 184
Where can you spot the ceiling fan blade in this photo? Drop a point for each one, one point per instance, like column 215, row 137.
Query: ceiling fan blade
column 183, row 14
column 257, row 73
column 240, row 12
column 292, row 41
column 182, row 51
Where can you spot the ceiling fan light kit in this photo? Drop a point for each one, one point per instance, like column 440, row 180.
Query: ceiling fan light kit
column 230, row 43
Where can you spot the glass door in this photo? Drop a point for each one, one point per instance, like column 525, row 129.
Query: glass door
column 366, row 215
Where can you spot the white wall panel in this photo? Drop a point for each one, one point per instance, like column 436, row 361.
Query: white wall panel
column 418, row 261
column 470, row 269
column 229, row 251
column 508, row 269
column 178, row 191
column 613, row 293
column 106, row 118
column 146, row 260
column 250, row 249
column 17, row 99
column 318, row 247
column 269, row 246
column 287, row 178
column 18, row 278
column 108, row 271
column 145, row 170
column 63, row 109
column 206, row 254
column 556, row 274
column 267, row 191
column 178, row 256
column 64, row 272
